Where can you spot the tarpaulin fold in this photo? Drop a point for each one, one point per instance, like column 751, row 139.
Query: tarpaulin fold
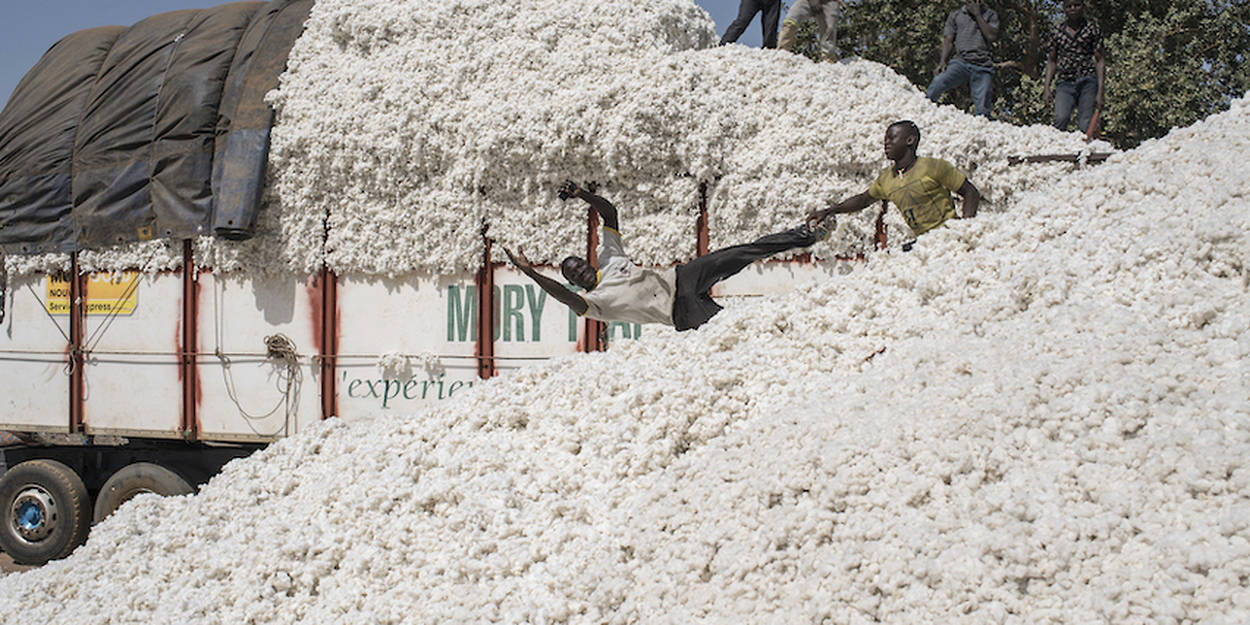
column 125, row 134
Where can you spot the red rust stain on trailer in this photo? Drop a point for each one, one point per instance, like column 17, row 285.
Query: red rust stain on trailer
column 314, row 288
column 322, row 291
column 178, row 345
column 187, row 349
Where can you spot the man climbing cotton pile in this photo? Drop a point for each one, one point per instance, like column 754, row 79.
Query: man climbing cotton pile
column 1077, row 55
column 969, row 31
column 769, row 11
column 920, row 187
column 619, row 290
column 826, row 14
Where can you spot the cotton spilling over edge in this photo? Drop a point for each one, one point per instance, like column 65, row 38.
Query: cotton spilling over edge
column 1040, row 415
column 402, row 127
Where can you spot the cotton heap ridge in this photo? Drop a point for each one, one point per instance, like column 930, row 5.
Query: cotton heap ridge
column 1040, row 415
column 403, row 126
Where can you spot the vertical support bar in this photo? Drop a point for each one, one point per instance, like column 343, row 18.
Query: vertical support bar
column 77, row 317
column 880, row 236
column 485, row 283
column 329, row 332
column 701, row 227
column 188, row 356
column 593, row 330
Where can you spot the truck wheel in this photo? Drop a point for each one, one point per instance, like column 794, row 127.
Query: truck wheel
column 135, row 479
column 44, row 511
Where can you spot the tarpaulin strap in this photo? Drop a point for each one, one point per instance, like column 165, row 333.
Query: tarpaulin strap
column 4, row 284
column 44, row 306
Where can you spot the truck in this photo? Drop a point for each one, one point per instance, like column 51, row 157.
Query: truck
column 118, row 383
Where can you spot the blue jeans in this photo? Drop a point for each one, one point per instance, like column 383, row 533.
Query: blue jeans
column 978, row 77
column 1080, row 93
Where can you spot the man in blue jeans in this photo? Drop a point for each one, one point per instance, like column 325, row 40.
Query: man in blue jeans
column 1077, row 55
column 969, row 31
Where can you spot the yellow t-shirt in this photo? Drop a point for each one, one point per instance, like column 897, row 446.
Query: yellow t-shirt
column 922, row 193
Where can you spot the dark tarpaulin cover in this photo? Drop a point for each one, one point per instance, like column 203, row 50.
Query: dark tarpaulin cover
column 242, row 148
column 111, row 137
column 37, row 129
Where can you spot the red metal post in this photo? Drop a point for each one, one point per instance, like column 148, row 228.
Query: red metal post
column 77, row 317
column 701, row 228
column 485, row 283
column 880, row 237
column 329, row 342
column 189, row 352
column 593, row 329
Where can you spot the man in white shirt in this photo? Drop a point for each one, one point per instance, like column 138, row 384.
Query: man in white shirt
column 619, row 290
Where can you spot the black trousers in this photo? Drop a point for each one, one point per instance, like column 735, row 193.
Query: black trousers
column 746, row 12
column 692, row 306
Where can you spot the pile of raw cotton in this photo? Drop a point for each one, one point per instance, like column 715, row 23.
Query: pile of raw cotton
column 402, row 127
column 407, row 125
column 1040, row 416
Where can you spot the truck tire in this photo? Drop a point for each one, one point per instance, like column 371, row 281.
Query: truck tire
column 135, row 479
column 45, row 511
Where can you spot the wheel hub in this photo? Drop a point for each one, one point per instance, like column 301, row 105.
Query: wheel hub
column 33, row 514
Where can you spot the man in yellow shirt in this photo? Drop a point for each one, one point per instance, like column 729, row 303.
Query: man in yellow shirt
column 919, row 186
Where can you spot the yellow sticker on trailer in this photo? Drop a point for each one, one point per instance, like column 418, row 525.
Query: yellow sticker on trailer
column 107, row 294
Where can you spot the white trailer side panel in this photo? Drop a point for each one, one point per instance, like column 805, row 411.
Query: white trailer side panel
column 427, row 323
column 244, row 394
column 34, row 345
column 132, row 382
column 530, row 325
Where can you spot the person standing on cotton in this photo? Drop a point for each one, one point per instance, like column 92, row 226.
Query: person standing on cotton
column 969, row 31
column 920, row 187
column 619, row 290
column 769, row 10
column 826, row 14
column 1077, row 54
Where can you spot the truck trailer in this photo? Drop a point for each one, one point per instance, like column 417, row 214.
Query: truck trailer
column 137, row 380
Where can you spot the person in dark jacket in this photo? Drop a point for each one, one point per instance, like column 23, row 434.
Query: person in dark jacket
column 770, row 12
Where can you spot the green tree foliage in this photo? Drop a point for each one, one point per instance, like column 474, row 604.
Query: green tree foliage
column 1169, row 63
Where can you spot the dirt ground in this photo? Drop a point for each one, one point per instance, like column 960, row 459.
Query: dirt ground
column 8, row 566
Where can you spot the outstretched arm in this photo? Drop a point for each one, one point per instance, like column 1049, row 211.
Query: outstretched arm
column 555, row 289
column 948, row 44
column 607, row 212
column 1048, row 96
column 849, row 205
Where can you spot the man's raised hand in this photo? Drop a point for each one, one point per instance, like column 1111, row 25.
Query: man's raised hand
column 568, row 189
column 518, row 259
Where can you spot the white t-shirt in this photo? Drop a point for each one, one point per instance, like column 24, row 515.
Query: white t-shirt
column 627, row 292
